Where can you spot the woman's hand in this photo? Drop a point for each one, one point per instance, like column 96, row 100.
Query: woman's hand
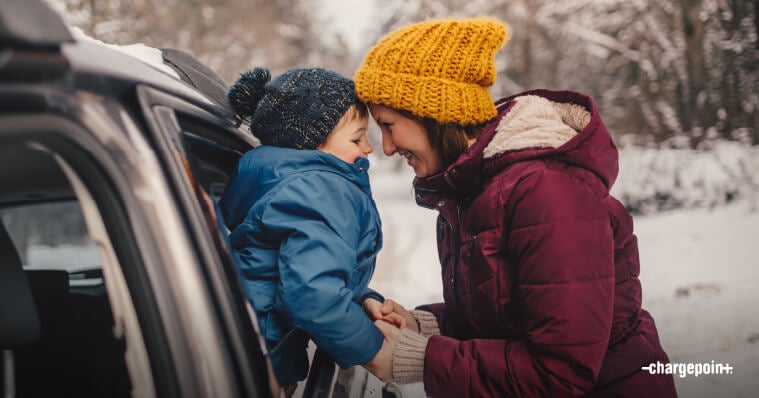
column 382, row 363
column 391, row 312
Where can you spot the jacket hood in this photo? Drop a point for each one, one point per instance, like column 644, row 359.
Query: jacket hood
column 262, row 168
column 560, row 125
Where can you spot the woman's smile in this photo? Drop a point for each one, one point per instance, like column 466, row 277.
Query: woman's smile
column 408, row 138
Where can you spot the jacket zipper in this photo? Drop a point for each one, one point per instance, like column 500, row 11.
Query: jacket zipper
column 455, row 250
column 470, row 246
column 455, row 240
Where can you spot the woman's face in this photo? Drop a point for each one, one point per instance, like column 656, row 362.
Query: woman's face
column 407, row 138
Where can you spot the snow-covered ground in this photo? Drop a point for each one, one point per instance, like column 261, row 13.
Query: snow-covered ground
column 699, row 269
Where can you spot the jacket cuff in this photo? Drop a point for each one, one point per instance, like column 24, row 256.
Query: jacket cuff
column 369, row 293
column 408, row 357
column 428, row 325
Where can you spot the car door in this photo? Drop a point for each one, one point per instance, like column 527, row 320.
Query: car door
column 199, row 149
column 171, row 301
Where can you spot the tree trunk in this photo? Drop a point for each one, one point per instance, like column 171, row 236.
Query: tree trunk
column 756, row 21
column 526, row 49
column 700, row 114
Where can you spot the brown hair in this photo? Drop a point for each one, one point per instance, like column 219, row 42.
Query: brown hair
column 449, row 139
column 357, row 110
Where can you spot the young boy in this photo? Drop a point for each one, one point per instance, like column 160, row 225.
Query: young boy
column 304, row 228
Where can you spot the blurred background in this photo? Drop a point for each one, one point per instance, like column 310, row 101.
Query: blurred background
column 677, row 84
column 680, row 71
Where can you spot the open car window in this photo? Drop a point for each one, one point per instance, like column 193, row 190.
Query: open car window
column 51, row 236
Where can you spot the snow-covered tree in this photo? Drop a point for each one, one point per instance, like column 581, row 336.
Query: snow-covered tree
column 677, row 73
column 229, row 36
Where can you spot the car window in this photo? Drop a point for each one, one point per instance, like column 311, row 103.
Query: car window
column 84, row 316
column 51, row 236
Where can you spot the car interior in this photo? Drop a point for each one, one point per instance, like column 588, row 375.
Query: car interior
column 56, row 331
column 46, row 254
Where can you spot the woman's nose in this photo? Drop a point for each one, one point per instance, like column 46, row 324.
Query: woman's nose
column 388, row 146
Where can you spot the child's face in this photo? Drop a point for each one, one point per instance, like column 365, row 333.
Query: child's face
column 348, row 140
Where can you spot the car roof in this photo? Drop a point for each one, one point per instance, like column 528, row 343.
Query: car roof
column 88, row 58
column 41, row 62
column 31, row 26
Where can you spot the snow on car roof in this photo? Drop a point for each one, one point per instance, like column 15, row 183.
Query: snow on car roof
column 149, row 55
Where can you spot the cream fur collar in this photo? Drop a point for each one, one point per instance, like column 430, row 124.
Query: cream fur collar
column 536, row 122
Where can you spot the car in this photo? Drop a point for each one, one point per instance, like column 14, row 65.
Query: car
column 115, row 273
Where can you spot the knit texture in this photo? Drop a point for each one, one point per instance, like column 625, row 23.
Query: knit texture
column 427, row 322
column 408, row 357
column 297, row 110
column 439, row 69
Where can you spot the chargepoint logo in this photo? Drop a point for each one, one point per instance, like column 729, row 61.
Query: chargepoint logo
column 689, row 369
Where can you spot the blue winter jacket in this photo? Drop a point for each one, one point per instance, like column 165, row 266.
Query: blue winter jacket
column 305, row 233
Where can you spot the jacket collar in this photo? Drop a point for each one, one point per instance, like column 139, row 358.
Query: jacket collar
column 535, row 124
column 278, row 162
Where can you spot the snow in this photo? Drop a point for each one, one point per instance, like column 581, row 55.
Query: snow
column 149, row 55
column 698, row 269
column 700, row 278
column 655, row 180
column 77, row 257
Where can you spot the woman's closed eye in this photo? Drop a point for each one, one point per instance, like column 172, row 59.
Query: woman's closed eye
column 383, row 124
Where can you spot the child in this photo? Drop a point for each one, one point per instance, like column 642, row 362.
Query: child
column 304, row 228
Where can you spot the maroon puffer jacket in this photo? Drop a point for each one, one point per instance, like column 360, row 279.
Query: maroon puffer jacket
column 539, row 263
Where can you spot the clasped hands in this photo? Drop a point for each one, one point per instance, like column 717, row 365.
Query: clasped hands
column 390, row 317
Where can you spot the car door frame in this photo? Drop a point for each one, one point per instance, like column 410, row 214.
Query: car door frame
column 245, row 347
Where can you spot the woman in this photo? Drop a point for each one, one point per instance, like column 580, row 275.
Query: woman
column 539, row 262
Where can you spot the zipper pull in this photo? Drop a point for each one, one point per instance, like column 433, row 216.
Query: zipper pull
column 470, row 246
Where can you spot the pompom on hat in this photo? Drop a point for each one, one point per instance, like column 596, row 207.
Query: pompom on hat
column 298, row 109
column 439, row 69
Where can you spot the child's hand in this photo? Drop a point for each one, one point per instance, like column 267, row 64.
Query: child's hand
column 396, row 320
column 373, row 308
column 390, row 312
column 399, row 316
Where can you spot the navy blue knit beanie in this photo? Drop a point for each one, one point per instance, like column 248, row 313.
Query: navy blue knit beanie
column 298, row 109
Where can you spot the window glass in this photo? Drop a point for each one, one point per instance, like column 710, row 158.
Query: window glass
column 51, row 236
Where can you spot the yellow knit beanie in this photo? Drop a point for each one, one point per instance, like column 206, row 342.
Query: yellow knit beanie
column 439, row 69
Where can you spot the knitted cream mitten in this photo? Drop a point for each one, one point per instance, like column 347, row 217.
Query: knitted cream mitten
column 408, row 357
column 428, row 325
